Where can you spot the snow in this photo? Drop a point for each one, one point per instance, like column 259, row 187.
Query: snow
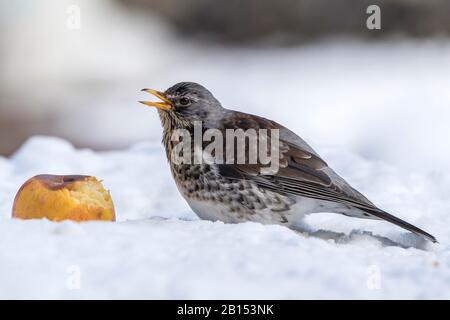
column 376, row 111
column 159, row 249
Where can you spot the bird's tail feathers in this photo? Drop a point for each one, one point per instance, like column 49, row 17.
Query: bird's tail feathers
column 401, row 223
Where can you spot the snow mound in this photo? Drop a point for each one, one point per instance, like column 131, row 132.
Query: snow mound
column 159, row 249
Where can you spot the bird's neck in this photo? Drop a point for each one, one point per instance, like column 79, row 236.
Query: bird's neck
column 170, row 124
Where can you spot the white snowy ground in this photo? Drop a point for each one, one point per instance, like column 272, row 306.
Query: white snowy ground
column 159, row 249
column 378, row 112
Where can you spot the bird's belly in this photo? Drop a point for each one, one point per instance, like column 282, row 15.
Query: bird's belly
column 208, row 210
column 229, row 204
column 215, row 198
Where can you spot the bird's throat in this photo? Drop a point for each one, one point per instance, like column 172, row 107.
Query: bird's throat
column 171, row 122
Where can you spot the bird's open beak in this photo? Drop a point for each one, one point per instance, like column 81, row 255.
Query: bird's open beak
column 165, row 104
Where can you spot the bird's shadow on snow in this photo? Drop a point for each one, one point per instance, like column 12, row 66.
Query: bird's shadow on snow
column 406, row 241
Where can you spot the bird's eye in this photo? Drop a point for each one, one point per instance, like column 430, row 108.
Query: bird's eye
column 184, row 101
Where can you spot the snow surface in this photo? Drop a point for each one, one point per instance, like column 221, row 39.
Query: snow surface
column 376, row 111
column 159, row 249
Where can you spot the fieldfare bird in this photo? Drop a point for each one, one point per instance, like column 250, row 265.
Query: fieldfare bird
column 236, row 192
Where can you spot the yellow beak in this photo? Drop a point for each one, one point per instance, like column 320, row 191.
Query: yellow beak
column 165, row 104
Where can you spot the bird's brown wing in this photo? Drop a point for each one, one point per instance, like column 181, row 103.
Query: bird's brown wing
column 303, row 173
column 301, row 170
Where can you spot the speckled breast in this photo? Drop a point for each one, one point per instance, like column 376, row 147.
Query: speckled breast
column 242, row 200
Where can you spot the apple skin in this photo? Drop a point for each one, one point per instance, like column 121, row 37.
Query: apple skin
column 69, row 197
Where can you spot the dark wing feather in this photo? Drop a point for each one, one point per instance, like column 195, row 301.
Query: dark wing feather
column 301, row 168
column 303, row 173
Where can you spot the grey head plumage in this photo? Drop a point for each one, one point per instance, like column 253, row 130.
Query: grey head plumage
column 193, row 102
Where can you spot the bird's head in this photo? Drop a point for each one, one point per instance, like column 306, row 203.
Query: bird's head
column 184, row 103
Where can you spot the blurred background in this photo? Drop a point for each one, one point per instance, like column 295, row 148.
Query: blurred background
column 74, row 69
